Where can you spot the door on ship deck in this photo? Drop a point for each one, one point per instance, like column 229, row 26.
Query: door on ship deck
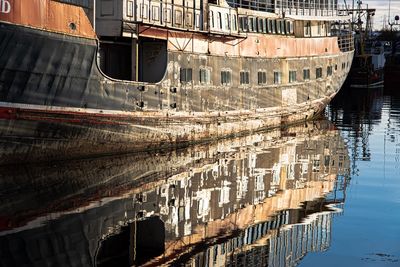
column 115, row 57
column 152, row 59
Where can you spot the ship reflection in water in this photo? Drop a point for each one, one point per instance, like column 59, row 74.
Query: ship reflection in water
column 264, row 199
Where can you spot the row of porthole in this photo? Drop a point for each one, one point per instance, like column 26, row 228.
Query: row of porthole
column 244, row 76
column 264, row 25
column 225, row 21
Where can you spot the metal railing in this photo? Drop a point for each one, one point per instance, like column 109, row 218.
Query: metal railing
column 292, row 7
column 345, row 40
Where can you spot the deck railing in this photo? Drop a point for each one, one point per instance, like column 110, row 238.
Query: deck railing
column 345, row 40
column 292, row 7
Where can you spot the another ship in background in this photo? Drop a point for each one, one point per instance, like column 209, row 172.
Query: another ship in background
column 392, row 66
column 367, row 70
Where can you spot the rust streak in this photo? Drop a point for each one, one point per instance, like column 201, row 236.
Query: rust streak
column 50, row 16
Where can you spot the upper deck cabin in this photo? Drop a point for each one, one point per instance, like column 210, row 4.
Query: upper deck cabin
column 120, row 23
column 228, row 17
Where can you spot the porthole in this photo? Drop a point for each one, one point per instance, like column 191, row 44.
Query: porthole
column 72, row 26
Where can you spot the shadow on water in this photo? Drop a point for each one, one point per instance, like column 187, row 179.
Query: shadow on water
column 263, row 199
column 357, row 112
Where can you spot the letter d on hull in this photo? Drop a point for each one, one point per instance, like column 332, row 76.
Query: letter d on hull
column 5, row 6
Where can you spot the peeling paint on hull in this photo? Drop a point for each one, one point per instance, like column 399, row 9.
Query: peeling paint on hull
column 34, row 135
column 62, row 106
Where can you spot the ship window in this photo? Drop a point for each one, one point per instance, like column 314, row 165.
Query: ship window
column 318, row 73
column 212, row 19
column 227, row 22
column 167, row 15
column 144, row 11
column 225, row 77
column 189, row 19
column 264, row 25
column 254, row 21
column 277, row 77
column 269, row 26
column 289, row 27
column 343, row 66
column 215, row 254
column 306, row 74
column 204, row 76
column 260, row 25
column 129, row 8
column 219, row 20
column 328, row 26
column 234, row 23
column 178, row 17
column 262, row 77
column 243, row 24
column 273, row 23
column 72, row 26
column 282, row 23
column 329, row 71
column 292, row 76
column 250, row 23
column 244, row 77
column 278, row 27
column 186, row 75
column 307, row 29
column 155, row 11
column 197, row 20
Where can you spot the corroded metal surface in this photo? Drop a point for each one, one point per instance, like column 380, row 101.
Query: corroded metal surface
column 56, row 103
column 49, row 15
column 253, row 45
column 56, row 113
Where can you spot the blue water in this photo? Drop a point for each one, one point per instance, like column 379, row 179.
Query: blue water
column 368, row 233
column 323, row 193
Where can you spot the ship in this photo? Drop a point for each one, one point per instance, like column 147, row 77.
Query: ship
column 367, row 70
column 277, row 191
column 81, row 78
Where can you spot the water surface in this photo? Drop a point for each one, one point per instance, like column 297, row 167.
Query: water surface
column 368, row 233
column 263, row 199
column 323, row 193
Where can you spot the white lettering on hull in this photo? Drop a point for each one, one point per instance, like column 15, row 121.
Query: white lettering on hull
column 5, row 6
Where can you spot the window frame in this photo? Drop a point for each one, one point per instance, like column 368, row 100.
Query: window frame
column 227, row 80
column 292, row 76
column 244, row 77
column 261, row 77
column 277, row 77
column 186, row 75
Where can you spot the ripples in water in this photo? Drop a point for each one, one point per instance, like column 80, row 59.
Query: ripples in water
column 265, row 199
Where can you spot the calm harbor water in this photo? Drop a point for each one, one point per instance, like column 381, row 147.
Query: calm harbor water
column 324, row 193
column 368, row 233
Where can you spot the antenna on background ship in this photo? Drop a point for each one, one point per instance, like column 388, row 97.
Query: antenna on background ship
column 390, row 2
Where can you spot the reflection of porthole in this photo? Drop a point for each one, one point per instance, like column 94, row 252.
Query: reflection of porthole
column 72, row 26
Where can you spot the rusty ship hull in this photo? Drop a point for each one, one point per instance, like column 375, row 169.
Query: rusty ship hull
column 56, row 102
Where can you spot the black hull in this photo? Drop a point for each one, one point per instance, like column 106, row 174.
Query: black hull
column 56, row 104
column 44, row 68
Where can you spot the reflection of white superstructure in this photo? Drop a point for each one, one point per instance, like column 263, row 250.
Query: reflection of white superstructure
column 198, row 195
column 275, row 243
